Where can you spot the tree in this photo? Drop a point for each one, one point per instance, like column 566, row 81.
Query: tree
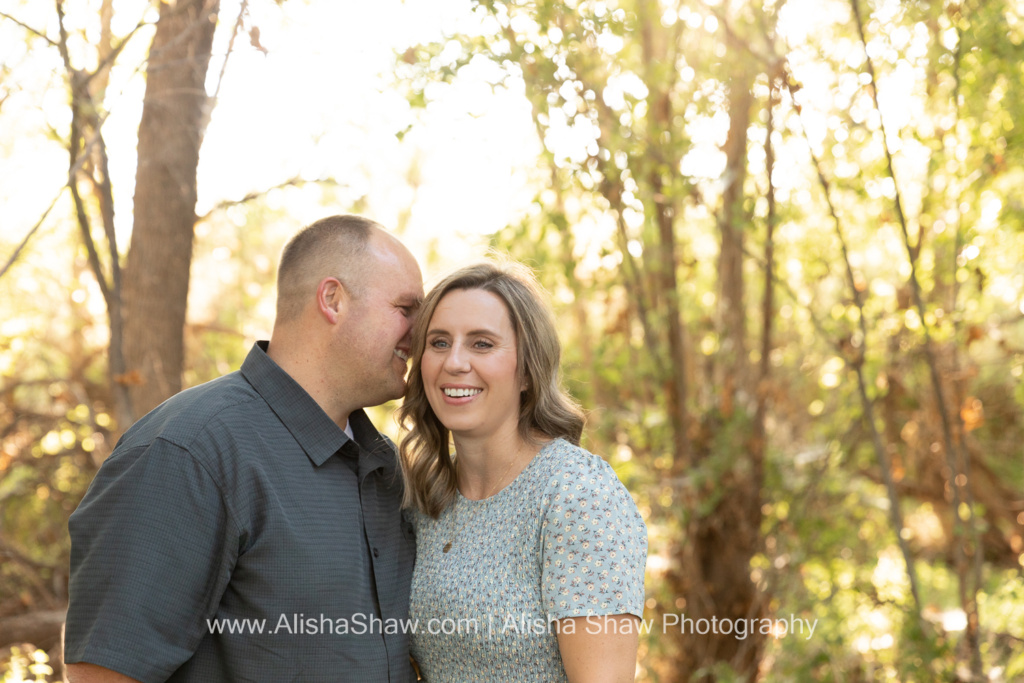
column 669, row 125
column 624, row 77
column 174, row 118
column 152, row 294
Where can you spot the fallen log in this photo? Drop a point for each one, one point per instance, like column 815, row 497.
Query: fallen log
column 41, row 629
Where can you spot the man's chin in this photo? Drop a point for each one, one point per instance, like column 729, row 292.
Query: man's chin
column 396, row 390
column 404, row 391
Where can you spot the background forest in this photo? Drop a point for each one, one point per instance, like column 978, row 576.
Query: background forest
column 781, row 238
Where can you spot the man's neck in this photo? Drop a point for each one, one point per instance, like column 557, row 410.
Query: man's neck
column 307, row 369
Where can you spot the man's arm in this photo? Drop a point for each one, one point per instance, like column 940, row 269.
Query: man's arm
column 151, row 550
column 90, row 673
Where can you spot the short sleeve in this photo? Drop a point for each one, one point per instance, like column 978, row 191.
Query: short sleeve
column 594, row 544
column 152, row 548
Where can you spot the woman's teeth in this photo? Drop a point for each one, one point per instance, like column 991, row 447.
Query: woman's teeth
column 460, row 393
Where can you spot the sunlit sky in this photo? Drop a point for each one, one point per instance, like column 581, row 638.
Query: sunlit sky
column 322, row 101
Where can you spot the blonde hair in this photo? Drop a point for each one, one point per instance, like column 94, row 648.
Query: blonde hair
column 544, row 408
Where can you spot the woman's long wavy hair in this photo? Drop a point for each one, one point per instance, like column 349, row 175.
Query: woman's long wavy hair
column 544, row 407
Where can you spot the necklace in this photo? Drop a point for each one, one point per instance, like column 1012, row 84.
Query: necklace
column 455, row 512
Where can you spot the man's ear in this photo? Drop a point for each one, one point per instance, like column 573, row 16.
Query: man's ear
column 332, row 299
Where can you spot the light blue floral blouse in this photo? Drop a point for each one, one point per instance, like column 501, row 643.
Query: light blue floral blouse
column 564, row 539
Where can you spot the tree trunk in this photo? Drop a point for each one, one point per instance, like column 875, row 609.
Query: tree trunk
column 732, row 376
column 723, row 538
column 174, row 117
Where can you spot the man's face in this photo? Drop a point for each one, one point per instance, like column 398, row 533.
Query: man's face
column 378, row 327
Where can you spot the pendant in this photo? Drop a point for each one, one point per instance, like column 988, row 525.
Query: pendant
column 447, row 547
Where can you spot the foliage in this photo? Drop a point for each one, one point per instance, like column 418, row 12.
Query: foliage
column 21, row 666
column 633, row 102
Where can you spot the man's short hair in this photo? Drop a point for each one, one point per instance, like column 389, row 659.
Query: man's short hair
column 330, row 247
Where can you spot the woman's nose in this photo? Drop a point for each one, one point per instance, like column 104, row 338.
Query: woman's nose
column 456, row 360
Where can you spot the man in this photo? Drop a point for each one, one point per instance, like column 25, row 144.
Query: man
column 249, row 529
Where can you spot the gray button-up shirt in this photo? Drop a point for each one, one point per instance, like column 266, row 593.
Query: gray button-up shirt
column 237, row 534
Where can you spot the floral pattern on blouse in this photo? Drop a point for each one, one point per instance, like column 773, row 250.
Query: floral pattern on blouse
column 564, row 539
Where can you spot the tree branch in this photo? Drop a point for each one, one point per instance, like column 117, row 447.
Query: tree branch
column 10, row 552
column 76, row 160
column 867, row 406
column 252, row 196
column 968, row 594
column 231, row 45
column 35, row 228
column 74, row 170
column 117, row 49
column 28, row 28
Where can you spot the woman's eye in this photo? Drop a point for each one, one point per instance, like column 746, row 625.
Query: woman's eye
column 439, row 344
column 483, row 345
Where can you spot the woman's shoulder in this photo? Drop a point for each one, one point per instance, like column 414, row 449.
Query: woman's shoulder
column 567, row 467
column 562, row 458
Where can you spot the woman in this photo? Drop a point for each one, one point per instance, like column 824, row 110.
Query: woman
column 530, row 552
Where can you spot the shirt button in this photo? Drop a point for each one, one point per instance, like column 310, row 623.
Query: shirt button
column 376, row 553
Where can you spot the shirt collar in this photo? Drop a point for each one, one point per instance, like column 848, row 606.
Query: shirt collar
column 316, row 433
column 377, row 451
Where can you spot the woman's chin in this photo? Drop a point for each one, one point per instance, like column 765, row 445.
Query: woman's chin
column 456, row 429
column 464, row 429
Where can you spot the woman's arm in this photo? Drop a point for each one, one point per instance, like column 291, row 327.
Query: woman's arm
column 599, row 649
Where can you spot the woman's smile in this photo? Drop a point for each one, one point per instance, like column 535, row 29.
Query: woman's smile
column 470, row 364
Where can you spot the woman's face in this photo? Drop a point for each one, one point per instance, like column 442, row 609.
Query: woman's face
column 469, row 365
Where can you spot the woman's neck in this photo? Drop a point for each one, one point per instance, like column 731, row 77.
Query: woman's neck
column 486, row 466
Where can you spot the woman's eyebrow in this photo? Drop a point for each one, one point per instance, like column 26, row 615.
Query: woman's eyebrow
column 480, row 331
